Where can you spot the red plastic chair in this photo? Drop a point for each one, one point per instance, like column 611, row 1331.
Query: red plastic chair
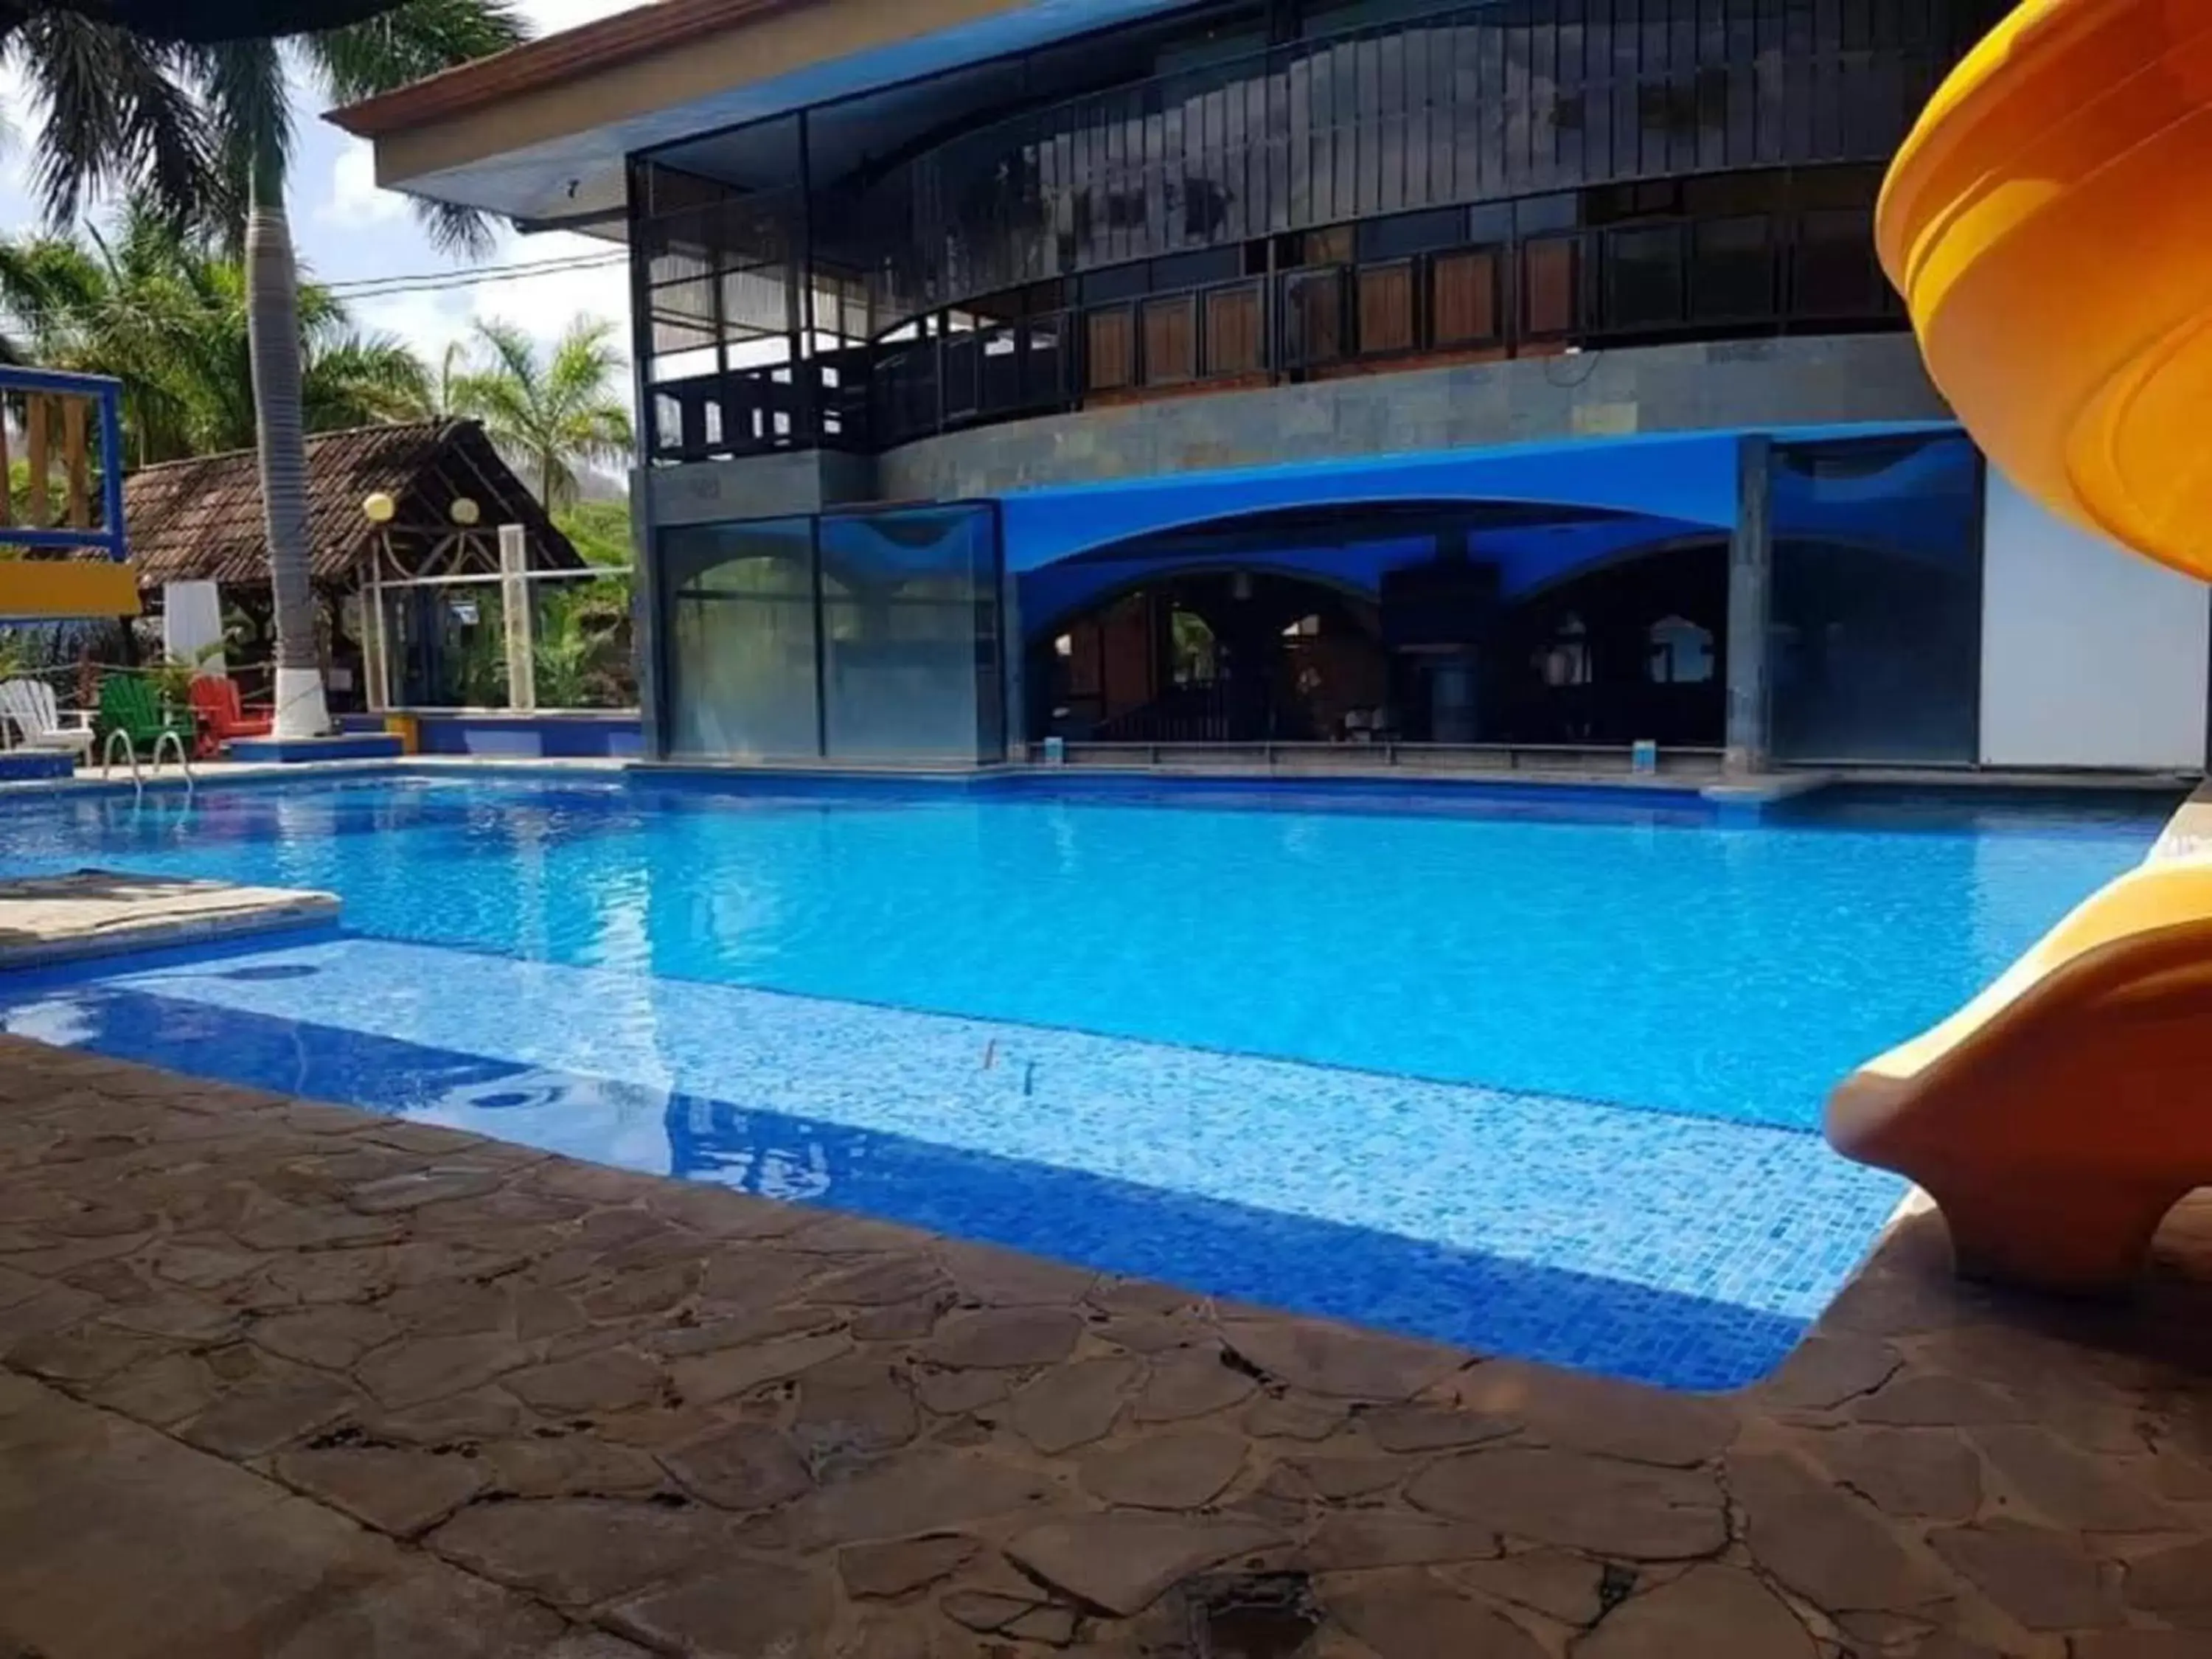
column 222, row 716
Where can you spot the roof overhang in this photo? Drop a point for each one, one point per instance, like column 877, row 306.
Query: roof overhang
column 539, row 133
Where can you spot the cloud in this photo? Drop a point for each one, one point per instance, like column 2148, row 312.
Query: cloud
column 542, row 302
column 17, row 137
column 353, row 198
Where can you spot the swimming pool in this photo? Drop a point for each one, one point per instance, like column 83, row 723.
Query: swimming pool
column 1539, row 1076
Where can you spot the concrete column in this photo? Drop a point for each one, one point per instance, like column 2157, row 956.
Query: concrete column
column 521, row 624
column 1013, row 672
column 1751, row 580
column 644, row 620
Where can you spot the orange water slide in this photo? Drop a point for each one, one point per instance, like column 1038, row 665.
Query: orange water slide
column 2050, row 223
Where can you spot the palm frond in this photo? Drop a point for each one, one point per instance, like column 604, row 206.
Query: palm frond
column 360, row 379
column 243, row 81
column 549, row 413
column 460, row 231
column 407, row 43
column 412, row 40
column 115, row 113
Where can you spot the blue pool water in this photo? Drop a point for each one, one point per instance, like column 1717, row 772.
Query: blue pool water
column 1539, row 1077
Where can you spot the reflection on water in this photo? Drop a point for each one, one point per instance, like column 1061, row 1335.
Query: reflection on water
column 713, row 1140
column 1562, row 945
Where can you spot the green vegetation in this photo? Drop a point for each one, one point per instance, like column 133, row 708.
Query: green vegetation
column 204, row 134
column 598, row 530
column 163, row 311
column 548, row 414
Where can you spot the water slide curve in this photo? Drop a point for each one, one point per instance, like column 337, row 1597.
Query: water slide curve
column 2049, row 224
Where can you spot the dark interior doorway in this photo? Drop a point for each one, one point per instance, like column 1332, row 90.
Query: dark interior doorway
column 1633, row 649
column 1215, row 656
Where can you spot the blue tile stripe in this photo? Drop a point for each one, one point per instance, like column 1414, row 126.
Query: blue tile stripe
column 1676, row 1250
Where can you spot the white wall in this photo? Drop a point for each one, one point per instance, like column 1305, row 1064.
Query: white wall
column 2090, row 656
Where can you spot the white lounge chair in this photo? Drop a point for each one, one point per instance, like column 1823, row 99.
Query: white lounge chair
column 29, row 707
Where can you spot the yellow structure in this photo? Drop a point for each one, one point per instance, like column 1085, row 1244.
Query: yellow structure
column 2059, row 1116
column 60, row 558
column 44, row 590
column 2050, row 226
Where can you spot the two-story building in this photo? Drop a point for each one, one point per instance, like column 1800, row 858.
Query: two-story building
column 1299, row 371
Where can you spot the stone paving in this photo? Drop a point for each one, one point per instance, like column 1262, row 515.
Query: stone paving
column 96, row 912
column 280, row 1379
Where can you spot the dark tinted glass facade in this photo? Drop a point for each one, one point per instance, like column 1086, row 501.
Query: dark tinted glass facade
column 1240, row 191
column 1876, row 609
column 853, row 636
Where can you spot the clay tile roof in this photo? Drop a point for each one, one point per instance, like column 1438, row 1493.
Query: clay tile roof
column 200, row 519
column 588, row 49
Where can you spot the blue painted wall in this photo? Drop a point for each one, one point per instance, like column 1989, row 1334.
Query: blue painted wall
column 1691, row 478
column 1067, row 544
column 1527, row 558
column 521, row 737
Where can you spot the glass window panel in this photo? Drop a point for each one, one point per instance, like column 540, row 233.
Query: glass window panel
column 1876, row 599
column 1489, row 224
column 1536, row 214
column 1411, row 233
column 1838, row 275
column 738, row 609
column 1169, row 328
column 1233, row 323
column 446, row 645
column 1313, row 321
column 1732, row 270
column 1425, row 108
column 910, row 621
column 1644, row 276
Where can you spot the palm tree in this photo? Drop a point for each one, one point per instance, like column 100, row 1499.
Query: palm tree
column 550, row 417
column 245, row 83
column 199, row 20
column 163, row 311
column 115, row 111
column 207, row 129
column 440, row 395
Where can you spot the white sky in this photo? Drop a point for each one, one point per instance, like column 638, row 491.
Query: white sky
column 347, row 229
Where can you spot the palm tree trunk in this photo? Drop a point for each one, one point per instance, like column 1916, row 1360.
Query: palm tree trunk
column 272, row 309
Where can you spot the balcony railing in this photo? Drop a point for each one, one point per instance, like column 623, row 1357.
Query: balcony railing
column 1643, row 283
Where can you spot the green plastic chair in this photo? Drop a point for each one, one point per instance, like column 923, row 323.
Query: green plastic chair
column 129, row 704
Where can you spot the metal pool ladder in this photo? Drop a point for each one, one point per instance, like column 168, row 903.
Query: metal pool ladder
column 167, row 740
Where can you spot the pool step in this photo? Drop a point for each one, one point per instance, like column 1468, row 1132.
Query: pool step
column 99, row 912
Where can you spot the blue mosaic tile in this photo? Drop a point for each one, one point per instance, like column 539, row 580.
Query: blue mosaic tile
column 1675, row 1250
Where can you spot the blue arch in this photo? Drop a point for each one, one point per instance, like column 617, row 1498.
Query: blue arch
column 1524, row 558
column 1687, row 477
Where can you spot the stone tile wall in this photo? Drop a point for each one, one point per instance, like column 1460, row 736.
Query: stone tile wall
column 1808, row 382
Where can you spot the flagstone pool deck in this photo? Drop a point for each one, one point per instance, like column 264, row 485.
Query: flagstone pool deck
column 279, row 1378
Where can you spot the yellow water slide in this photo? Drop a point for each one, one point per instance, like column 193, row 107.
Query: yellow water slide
column 2050, row 223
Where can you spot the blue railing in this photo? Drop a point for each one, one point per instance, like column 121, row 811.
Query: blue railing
column 85, row 404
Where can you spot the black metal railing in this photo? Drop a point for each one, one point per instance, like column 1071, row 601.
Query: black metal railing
column 1646, row 282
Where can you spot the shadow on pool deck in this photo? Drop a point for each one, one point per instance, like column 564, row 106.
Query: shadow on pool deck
column 583, row 1412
